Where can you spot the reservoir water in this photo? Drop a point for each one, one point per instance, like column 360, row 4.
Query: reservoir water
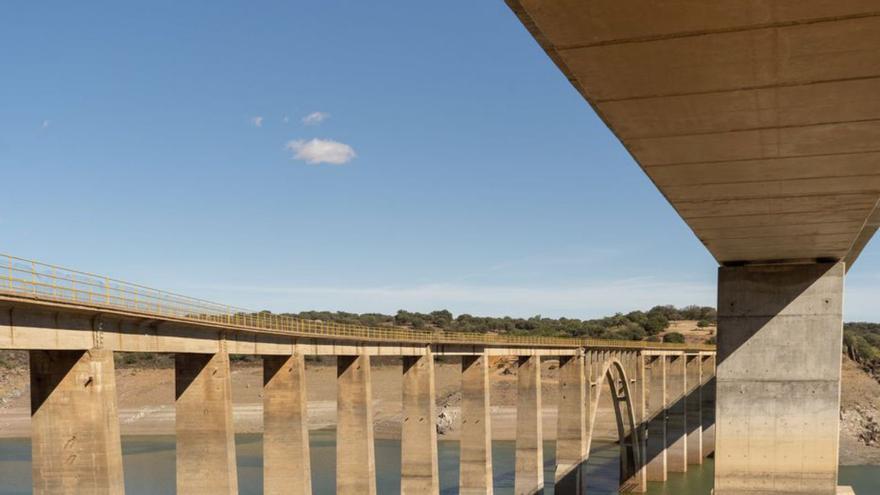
column 149, row 468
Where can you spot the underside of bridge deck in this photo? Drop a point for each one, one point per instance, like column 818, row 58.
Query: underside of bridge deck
column 759, row 121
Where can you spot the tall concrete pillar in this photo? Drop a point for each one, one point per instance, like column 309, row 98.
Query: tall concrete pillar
column 205, row 434
column 635, row 437
column 571, row 430
column 778, row 379
column 676, row 418
column 286, row 463
column 708, row 409
column 475, row 477
column 657, row 405
column 419, row 471
column 595, row 380
column 75, row 439
column 529, row 435
column 694, row 405
column 640, row 391
column 355, row 450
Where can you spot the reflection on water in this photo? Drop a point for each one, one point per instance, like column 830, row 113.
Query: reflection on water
column 149, row 468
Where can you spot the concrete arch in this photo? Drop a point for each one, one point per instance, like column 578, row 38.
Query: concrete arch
column 613, row 373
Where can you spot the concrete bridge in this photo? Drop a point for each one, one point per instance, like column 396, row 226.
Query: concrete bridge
column 660, row 397
column 759, row 122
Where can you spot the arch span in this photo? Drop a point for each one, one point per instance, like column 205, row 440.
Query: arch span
column 613, row 373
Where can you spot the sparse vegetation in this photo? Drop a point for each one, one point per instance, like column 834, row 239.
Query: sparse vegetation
column 861, row 342
column 635, row 325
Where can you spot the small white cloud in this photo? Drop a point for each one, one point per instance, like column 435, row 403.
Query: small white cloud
column 315, row 118
column 257, row 121
column 285, row 119
column 316, row 151
column 45, row 124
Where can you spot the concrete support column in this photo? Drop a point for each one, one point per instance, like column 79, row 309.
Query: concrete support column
column 75, row 439
column 694, row 405
column 635, row 438
column 529, row 435
column 778, row 378
column 676, row 419
column 419, row 471
column 657, row 404
column 640, row 393
column 286, row 463
column 571, row 430
column 205, row 435
column 708, row 409
column 476, row 428
column 595, row 380
column 355, row 450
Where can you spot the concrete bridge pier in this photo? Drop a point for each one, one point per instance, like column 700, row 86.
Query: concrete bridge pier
column 780, row 332
column 694, row 406
column 529, row 435
column 626, row 391
column 639, row 482
column 475, row 475
column 75, row 438
column 205, row 435
column 708, row 409
column 571, row 433
column 657, row 410
column 286, row 462
column 355, row 449
column 676, row 417
column 419, row 469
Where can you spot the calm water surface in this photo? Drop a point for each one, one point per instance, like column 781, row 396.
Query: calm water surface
column 149, row 468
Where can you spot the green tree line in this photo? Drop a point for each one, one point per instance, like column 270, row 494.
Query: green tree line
column 861, row 342
column 635, row 325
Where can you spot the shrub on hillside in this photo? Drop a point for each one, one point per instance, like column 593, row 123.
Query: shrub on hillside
column 673, row 338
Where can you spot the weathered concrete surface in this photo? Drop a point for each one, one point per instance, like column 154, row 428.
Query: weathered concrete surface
column 623, row 385
column 419, row 470
column 676, row 418
column 694, row 405
column 758, row 121
column 205, row 435
column 529, row 477
column 475, row 475
column 571, row 434
column 630, row 388
column 708, row 409
column 355, row 448
column 286, row 462
column 778, row 379
column 639, row 391
column 657, row 403
column 75, row 423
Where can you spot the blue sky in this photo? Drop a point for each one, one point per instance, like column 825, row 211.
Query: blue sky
column 168, row 143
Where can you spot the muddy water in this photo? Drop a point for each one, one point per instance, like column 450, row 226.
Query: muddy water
column 149, row 468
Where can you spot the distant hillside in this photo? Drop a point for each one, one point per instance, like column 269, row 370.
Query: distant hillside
column 635, row 325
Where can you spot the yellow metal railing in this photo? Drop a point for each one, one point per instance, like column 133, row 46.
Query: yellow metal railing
column 31, row 279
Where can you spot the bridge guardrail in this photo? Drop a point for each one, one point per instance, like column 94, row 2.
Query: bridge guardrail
column 42, row 281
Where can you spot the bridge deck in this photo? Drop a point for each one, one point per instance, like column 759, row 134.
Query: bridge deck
column 33, row 283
